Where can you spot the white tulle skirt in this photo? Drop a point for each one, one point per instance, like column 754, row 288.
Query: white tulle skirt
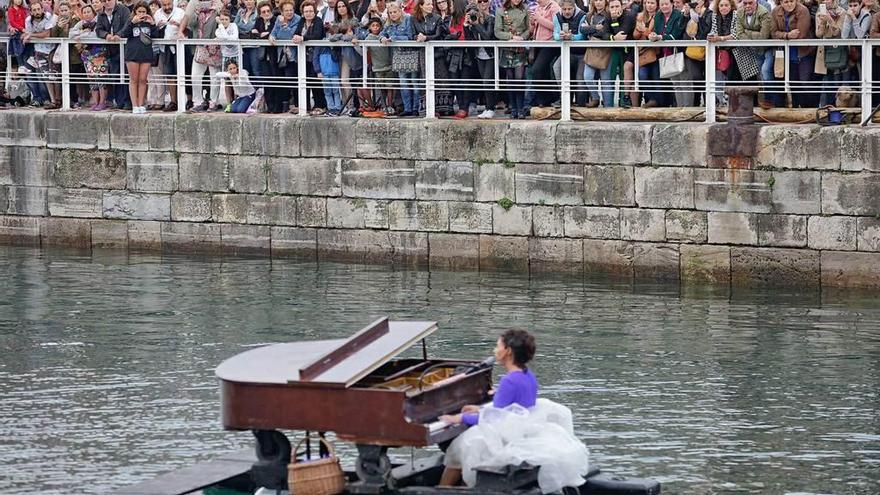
column 541, row 436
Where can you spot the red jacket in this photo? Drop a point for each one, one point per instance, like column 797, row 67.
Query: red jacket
column 17, row 16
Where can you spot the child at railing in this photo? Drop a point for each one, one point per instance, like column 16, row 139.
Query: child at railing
column 139, row 31
column 16, row 16
column 240, row 86
column 380, row 68
column 227, row 30
column 325, row 61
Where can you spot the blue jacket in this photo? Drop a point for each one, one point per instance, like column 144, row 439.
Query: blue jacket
column 285, row 32
column 325, row 61
column 402, row 31
column 574, row 23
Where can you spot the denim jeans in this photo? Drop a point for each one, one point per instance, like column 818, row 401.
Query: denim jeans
column 408, row 92
column 242, row 103
column 768, row 78
column 607, row 84
column 332, row 93
column 648, row 76
column 831, row 83
column 119, row 92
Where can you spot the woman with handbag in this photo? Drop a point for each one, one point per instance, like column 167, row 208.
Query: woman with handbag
column 649, row 69
column 429, row 26
column 832, row 60
column 139, row 31
column 202, row 17
column 597, row 61
column 284, row 60
column 512, row 24
column 404, row 61
column 668, row 25
column 722, row 16
column 311, row 28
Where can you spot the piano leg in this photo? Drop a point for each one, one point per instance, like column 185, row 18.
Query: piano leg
column 273, row 456
column 373, row 469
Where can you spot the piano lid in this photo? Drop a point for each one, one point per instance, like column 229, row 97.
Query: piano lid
column 347, row 363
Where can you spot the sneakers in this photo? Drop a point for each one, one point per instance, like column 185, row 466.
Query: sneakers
column 170, row 107
column 200, row 108
column 99, row 107
column 138, row 110
column 461, row 115
column 390, row 112
column 228, row 108
column 487, row 114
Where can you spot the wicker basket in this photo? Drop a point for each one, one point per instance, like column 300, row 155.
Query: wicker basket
column 315, row 477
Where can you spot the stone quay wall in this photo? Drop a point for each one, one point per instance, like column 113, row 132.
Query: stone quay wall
column 636, row 200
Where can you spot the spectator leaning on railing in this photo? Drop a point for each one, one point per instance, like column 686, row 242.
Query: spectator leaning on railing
column 792, row 21
column 753, row 23
column 110, row 23
column 831, row 61
column 170, row 21
column 37, row 26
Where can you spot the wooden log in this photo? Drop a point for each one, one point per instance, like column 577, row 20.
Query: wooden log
column 685, row 114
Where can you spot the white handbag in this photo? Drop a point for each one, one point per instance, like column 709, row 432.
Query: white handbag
column 672, row 65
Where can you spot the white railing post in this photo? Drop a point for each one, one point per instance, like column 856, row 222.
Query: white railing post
column 565, row 63
column 65, row 74
column 301, row 75
column 180, row 77
column 710, row 83
column 497, row 64
column 430, row 111
column 867, row 77
column 121, row 62
column 364, row 73
column 636, row 75
column 786, row 62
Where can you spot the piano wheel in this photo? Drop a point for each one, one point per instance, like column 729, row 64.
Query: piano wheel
column 373, row 466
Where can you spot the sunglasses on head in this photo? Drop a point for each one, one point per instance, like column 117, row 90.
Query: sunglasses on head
column 482, row 1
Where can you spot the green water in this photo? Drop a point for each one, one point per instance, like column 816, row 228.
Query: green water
column 106, row 365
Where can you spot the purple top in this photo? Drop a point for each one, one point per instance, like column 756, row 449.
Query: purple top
column 516, row 387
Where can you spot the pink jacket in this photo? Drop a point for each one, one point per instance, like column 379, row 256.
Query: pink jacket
column 542, row 30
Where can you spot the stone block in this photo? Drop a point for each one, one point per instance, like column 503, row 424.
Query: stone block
column 466, row 140
column 517, row 220
column 470, row 217
column 664, row 187
column 851, row 194
column 78, row 130
column 151, row 132
column 244, row 239
column 678, row 144
column 655, row 261
column 20, row 231
column 548, row 221
column 190, row 207
column 705, row 264
column 776, row 267
column 270, row 210
column 270, row 135
column 22, row 128
column 609, row 185
column 558, row 255
column 379, row 179
column 230, row 208
column 868, row 229
column 144, row 235
column 372, row 245
column 640, row 224
column 191, row 237
column 409, row 248
column 531, row 142
column 549, row 184
column 799, row 147
column 294, row 241
column 83, row 203
column 151, row 171
column 859, row 149
column 30, row 201
column 504, row 252
column 127, row 205
column 247, row 174
column 109, row 234
column 390, row 139
column 418, row 215
column 332, row 138
column 782, row 230
column 213, row 133
column 848, row 269
column 733, row 228
column 4, row 199
column 67, row 232
column 592, row 222
column 454, row 251
column 306, row 176
column 90, row 169
column 20, row 166
column 601, row 143
column 733, row 190
column 311, row 212
column 797, row 192
column 445, row 180
column 687, row 226
column 200, row 172
column 357, row 213
column 833, row 233
column 494, row 181
column 608, row 257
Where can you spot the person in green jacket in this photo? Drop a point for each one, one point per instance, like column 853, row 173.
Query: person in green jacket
column 669, row 25
column 512, row 24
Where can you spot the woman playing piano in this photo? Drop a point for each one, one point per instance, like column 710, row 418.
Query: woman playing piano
column 522, row 427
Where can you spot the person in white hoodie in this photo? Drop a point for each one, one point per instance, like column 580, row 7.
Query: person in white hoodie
column 228, row 30
column 240, row 85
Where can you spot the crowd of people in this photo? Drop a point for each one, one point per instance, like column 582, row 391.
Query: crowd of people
column 228, row 75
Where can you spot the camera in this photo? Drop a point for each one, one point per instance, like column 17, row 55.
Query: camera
column 473, row 16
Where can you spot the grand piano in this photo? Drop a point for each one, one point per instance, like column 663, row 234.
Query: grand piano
column 357, row 388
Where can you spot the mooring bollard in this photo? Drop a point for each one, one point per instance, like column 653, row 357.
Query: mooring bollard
column 734, row 144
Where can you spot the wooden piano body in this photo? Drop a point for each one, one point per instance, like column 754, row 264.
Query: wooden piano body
column 355, row 388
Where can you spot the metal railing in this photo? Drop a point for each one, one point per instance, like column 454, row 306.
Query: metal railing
column 566, row 84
